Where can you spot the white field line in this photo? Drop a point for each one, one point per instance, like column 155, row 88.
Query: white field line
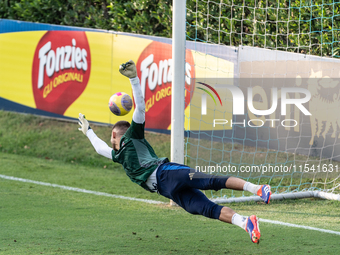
column 149, row 201
column 300, row 226
column 80, row 190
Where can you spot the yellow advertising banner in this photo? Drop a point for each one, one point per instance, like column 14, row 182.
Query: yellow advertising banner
column 60, row 73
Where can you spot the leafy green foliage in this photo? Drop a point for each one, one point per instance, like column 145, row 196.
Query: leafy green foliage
column 152, row 17
column 92, row 14
column 302, row 26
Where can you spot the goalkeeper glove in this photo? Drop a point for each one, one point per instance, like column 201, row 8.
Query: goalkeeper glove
column 84, row 124
column 128, row 69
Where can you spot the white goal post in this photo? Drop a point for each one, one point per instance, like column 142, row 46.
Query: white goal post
column 178, row 81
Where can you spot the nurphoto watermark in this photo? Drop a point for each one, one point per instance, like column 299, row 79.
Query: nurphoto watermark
column 268, row 168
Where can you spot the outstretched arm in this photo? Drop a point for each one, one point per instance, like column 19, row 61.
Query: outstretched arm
column 139, row 113
column 99, row 145
column 129, row 70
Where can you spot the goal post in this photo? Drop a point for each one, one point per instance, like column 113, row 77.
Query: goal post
column 178, row 81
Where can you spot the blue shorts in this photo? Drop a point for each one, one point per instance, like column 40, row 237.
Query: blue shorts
column 182, row 184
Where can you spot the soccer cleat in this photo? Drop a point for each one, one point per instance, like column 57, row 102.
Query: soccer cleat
column 252, row 227
column 265, row 193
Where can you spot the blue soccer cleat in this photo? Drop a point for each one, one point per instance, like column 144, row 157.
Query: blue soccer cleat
column 252, row 227
column 265, row 193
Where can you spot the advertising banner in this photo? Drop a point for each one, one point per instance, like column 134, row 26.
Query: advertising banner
column 60, row 71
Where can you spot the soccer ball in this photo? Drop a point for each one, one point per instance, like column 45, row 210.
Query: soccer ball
column 120, row 104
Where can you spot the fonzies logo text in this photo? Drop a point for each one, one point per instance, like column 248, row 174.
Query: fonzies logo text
column 154, row 68
column 61, row 70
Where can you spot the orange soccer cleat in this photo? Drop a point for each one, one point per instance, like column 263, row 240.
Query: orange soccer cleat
column 252, row 227
column 265, row 193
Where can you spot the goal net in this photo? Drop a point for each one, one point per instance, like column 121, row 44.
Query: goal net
column 265, row 106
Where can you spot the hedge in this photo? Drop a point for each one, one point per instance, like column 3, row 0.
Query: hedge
column 303, row 26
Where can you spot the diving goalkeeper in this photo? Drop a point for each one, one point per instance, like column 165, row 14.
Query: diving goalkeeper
column 174, row 181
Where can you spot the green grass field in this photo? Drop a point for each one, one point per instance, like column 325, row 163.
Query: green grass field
column 37, row 219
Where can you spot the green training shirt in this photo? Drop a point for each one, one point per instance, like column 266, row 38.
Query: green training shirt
column 138, row 158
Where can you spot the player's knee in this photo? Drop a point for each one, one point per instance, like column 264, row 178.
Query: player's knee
column 192, row 210
column 210, row 210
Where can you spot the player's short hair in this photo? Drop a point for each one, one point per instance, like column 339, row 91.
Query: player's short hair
column 121, row 127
